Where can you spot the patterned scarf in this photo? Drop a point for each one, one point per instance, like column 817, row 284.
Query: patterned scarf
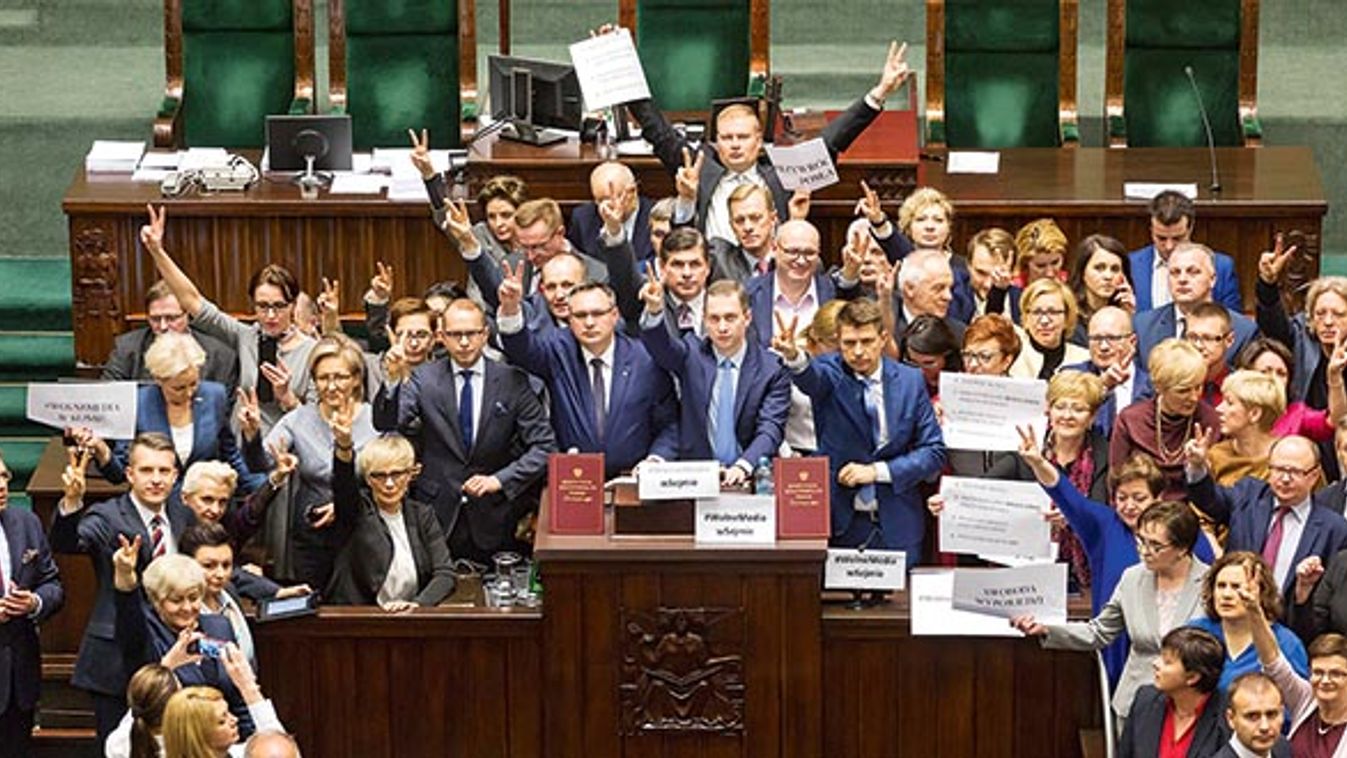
column 1080, row 473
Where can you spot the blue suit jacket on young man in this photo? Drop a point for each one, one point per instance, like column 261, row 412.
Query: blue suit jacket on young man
column 761, row 291
column 31, row 568
column 642, row 418
column 1225, row 292
column 761, row 396
column 1159, row 324
column 914, row 452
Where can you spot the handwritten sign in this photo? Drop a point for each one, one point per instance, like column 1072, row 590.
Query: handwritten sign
column 609, row 70
column 678, row 480
column 1039, row 591
column 931, row 599
column 865, row 570
column 995, row 517
column 981, row 412
column 107, row 408
column 804, row 166
column 736, row 520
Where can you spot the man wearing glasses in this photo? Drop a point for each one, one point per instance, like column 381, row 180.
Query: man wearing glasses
column 165, row 314
column 1275, row 518
column 481, row 432
column 1192, row 280
column 795, row 287
column 1209, row 329
column 1113, row 353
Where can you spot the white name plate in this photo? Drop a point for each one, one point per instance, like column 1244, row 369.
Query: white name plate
column 865, row 570
column 737, row 520
column 678, row 480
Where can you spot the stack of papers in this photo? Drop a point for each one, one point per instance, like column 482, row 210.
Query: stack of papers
column 197, row 158
column 112, row 156
column 1148, row 190
column 156, row 166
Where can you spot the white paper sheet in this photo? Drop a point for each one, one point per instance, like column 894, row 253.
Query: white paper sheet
column 972, row 162
column 1038, row 590
column 108, row 408
column 1148, row 190
column 349, row 183
column 981, row 412
column 930, row 600
column 804, row 166
column 995, row 517
column 609, row 70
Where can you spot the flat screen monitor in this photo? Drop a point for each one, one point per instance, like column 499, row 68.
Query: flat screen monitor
column 290, row 139
column 534, row 95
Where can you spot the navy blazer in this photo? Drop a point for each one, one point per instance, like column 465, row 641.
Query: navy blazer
column 1146, row 721
column 762, row 294
column 1108, row 411
column 32, row 569
column 642, row 415
column 585, row 227
column 94, row 531
column 512, row 442
column 1293, row 332
column 145, row 638
column 914, row 453
column 212, row 437
column 486, row 274
column 761, row 396
column 1225, row 292
column 1247, row 509
column 1159, row 324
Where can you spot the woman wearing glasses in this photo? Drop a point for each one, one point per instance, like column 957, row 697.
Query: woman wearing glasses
column 1048, row 315
column 392, row 550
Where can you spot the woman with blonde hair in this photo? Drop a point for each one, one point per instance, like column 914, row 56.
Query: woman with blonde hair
column 1251, row 402
column 197, row 721
column 1048, row 314
column 1040, row 252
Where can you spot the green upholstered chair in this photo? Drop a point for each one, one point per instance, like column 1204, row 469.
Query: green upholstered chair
column 1149, row 101
column 1001, row 73
column 229, row 64
column 403, row 64
column 696, row 51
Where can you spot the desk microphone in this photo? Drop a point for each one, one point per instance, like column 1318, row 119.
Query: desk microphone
column 1206, row 123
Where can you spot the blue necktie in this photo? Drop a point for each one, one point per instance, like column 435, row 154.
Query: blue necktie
column 465, row 409
column 867, row 494
column 722, row 423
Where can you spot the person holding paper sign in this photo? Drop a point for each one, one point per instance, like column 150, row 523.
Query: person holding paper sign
column 736, row 157
column 1160, row 594
column 877, row 428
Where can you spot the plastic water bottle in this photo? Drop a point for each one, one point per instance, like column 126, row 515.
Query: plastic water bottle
column 762, row 478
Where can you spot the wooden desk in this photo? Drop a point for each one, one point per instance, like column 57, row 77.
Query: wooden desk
column 221, row 240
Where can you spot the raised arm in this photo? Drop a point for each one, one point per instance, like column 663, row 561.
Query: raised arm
column 152, row 238
column 1269, row 312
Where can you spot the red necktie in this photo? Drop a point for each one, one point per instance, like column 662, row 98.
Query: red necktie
column 157, row 545
column 1273, row 544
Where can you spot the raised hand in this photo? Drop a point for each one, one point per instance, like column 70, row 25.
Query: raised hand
column 652, row 292
column 458, row 224
column 279, row 375
column 240, row 672
column 73, row 479
column 870, row 207
column 326, row 515
column 396, row 366
column 1124, row 297
column 511, row 292
column 1195, row 449
column 798, row 206
column 341, row 422
column 421, row 153
column 1001, row 278
column 688, row 178
column 895, row 72
column 152, row 234
column 1308, row 573
column 283, row 462
column 124, row 562
column 884, row 284
column 853, row 256
column 1337, row 362
column 178, row 655
column 1120, row 370
column 1029, row 449
column 329, row 306
column 610, row 210
column 936, row 505
column 250, row 414
column 1028, row 626
column 381, row 284
column 783, row 341
column 1272, row 263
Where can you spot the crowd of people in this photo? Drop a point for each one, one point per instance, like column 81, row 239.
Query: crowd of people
column 1194, row 455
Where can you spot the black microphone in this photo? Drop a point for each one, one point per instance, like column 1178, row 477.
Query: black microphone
column 1206, row 123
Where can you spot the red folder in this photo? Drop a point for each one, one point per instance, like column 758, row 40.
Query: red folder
column 575, row 493
column 802, row 487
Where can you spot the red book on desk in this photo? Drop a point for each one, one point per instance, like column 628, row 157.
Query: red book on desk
column 802, row 486
column 575, row 493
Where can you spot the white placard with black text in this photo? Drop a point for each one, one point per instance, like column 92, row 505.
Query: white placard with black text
column 736, row 520
column 882, row 570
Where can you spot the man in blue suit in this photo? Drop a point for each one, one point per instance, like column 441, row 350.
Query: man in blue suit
column 1275, row 518
column 1113, row 358
column 877, row 427
column 31, row 594
column 614, row 183
column 482, row 431
column 1192, row 275
column 607, row 394
column 149, row 510
column 795, row 286
column 1172, row 217
column 735, row 395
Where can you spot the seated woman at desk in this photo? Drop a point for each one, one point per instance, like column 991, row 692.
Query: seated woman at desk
column 392, row 549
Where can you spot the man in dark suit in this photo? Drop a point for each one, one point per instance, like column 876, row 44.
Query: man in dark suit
column 796, row 286
column 1275, row 518
column 149, row 510
column 925, row 288
column 1172, row 217
column 736, row 156
column 735, row 395
column 1186, row 675
column 481, row 431
column 607, row 394
column 165, row 314
column 613, row 182
column 1254, row 715
column 1192, row 274
column 753, row 221
column 684, row 268
column 1113, row 358
column 877, row 427
column 32, row 593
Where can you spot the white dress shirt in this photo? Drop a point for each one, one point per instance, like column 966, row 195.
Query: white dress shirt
column 718, row 210
column 803, row 309
column 400, row 583
column 1160, row 295
column 146, row 515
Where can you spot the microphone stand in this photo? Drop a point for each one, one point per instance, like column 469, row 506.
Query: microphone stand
column 1206, row 123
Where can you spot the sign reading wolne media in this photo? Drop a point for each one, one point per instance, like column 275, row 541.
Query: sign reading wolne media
column 884, row 570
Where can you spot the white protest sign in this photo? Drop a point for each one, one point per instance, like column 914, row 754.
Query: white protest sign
column 678, row 480
column 930, row 600
column 981, row 412
column 865, row 570
column 995, row 517
column 609, row 70
column 1038, row 591
column 737, row 520
column 107, row 408
column 804, row 166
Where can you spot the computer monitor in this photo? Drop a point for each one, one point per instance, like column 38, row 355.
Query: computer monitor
column 535, row 97
column 291, row 140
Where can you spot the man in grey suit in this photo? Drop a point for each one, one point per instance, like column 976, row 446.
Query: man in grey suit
column 165, row 314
